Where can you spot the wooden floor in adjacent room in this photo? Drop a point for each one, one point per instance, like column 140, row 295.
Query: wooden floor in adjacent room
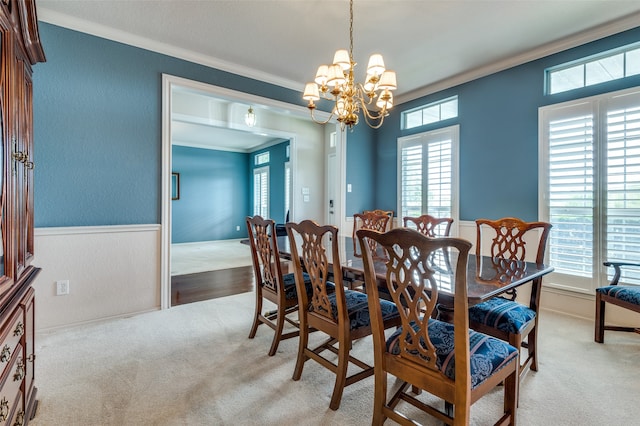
column 210, row 285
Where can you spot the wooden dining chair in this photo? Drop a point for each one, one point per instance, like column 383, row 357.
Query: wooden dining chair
column 448, row 360
column 342, row 314
column 429, row 225
column 504, row 317
column 376, row 220
column 271, row 284
column 389, row 213
column 625, row 296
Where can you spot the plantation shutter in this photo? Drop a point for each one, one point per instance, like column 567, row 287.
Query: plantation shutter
column 591, row 172
column 623, row 182
column 287, row 188
column 571, row 191
column 411, row 182
column 427, row 169
column 261, row 192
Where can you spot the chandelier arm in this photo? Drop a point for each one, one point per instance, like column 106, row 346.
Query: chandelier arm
column 370, row 123
column 379, row 116
column 313, row 117
column 329, row 97
column 361, row 95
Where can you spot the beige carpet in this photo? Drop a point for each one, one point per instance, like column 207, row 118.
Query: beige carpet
column 191, row 258
column 194, row 365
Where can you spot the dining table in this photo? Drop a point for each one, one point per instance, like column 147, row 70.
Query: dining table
column 487, row 276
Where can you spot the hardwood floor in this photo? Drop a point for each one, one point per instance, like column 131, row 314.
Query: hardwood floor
column 210, row 285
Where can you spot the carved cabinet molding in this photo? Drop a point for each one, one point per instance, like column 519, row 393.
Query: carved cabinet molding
column 20, row 50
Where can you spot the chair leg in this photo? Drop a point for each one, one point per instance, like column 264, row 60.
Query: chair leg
column 532, row 346
column 341, row 375
column 515, row 340
column 256, row 316
column 379, row 398
column 280, row 319
column 302, row 347
column 600, row 307
column 462, row 413
column 511, row 397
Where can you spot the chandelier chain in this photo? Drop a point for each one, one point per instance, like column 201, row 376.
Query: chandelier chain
column 351, row 30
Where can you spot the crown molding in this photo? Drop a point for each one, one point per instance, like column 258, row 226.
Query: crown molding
column 109, row 33
column 596, row 33
column 76, row 24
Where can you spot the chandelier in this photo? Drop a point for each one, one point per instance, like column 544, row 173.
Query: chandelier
column 250, row 118
column 336, row 83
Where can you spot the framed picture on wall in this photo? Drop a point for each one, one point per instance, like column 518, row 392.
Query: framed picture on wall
column 175, row 186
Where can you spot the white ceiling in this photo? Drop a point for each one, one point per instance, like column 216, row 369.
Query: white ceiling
column 203, row 121
column 430, row 44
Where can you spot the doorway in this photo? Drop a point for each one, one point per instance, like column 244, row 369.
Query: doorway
column 304, row 170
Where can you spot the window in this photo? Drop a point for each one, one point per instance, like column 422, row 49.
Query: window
column 262, row 158
column 428, row 174
column 261, row 191
column 287, row 188
column 431, row 113
column 590, row 178
column 607, row 66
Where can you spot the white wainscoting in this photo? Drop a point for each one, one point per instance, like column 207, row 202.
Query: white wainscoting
column 113, row 271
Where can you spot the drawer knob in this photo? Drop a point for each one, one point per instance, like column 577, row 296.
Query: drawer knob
column 5, row 355
column 19, row 374
column 19, row 330
column 4, row 409
column 19, row 419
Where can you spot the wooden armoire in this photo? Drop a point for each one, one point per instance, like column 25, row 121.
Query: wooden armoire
column 21, row 49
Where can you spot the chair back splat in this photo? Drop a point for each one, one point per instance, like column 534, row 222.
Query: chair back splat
column 341, row 314
column 429, row 225
column 270, row 282
column 388, row 213
column 447, row 360
column 377, row 220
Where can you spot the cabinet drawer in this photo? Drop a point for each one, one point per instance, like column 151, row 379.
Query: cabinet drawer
column 10, row 391
column 10, row 338
column 17, row 414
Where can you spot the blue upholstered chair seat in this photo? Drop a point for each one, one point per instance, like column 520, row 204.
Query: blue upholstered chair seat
column 503, row 314
column 629, row 294
column 358, row 308
column 487, row 354
column 289, row 281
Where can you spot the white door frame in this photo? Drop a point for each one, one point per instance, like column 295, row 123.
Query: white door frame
column 168, row 82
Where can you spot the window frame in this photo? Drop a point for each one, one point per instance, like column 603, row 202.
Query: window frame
column 600, row 108
column 262, row 158
column 426, row 138
column 591, row 60
column 439, row 104
column 264, row 209
column 287, row 189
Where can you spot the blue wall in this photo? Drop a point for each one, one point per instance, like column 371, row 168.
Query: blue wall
column 97, row 127
column 214, row 195
column 277, row 158
column 361, row 174
column 97, row 113
column 498, row 118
